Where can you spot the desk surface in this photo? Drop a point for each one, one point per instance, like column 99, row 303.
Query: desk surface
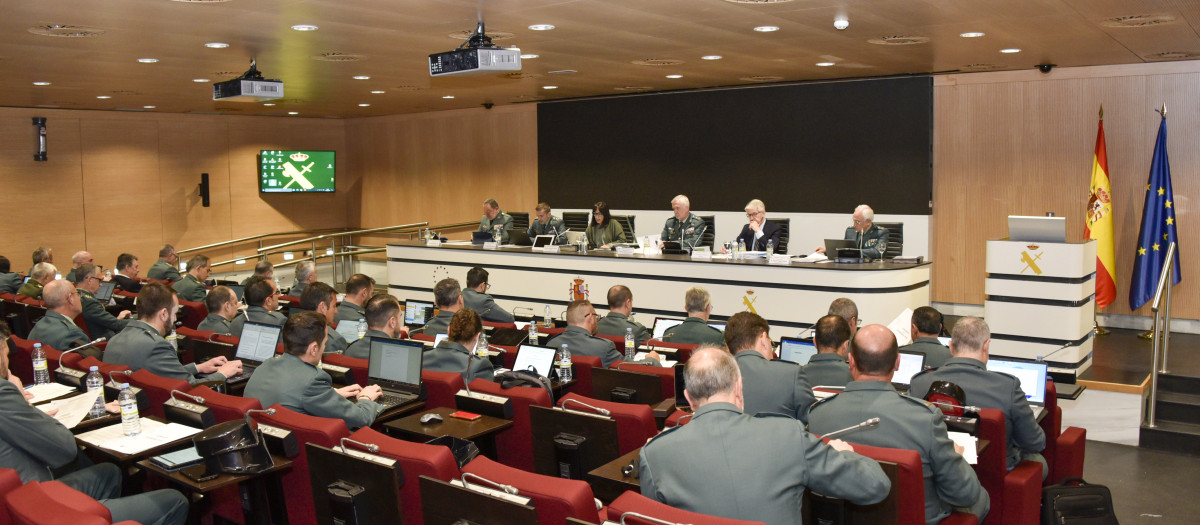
column 223, row 480
column 449, row 426
column 608, row 482
column 129, row 458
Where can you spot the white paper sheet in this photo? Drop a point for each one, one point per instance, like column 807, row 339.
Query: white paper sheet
column 153, row 434
column 666, row 363
column 969, row 444
column 48, row 391
column 902, row 327
column 73, row 409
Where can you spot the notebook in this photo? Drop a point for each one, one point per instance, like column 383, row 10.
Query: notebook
column 537, row 358
column 796, row 350
column 395, row 366
column 911, row 364
column 256, row 344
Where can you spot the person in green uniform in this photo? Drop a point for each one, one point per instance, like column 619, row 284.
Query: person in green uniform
column 40, row 276
column 684, row 227
column 546, row 224
column 41, row 254
column 475, row 297
column 100, row 323
column 580, row 337
column 165, row 268
column 447, row 296
column 869, row 237
column 454, row 354
column 222, row 304
column 79, row 259
column 262, row 301
column 846, row 309
column 57, row 328
column 263, row 269
column 905, row 423
column 320, row 297
column 829, row 366
column 770, row 385
column 603, row 232
column 494, row 218
column 10, row 281
column 619, row 318
column 359, row 289
column 695, row 329
column 730, row 464
column 926, row 326
column 306, row 274
column 385, row 318
column 191, row 287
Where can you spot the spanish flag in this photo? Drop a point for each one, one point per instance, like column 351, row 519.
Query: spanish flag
column 1099, row 225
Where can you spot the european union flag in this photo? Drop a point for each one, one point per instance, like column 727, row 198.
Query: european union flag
column 1158, row 227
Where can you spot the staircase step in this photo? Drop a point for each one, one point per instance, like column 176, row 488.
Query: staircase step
column 1180, row 408
column 1178, row 383
column 1169, row 436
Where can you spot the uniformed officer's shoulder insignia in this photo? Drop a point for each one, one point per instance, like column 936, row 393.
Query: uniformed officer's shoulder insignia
column 663, row 433
column 919, row 401
column 761, row 415
column 921, row 373
column 822, row 401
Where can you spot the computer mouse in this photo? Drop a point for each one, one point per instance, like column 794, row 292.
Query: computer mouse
column 431, row 418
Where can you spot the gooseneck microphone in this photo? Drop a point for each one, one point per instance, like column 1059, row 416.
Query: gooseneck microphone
column 873, row 422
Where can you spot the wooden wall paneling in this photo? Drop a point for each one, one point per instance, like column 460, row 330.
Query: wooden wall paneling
column 187, row 149
column 123, row 207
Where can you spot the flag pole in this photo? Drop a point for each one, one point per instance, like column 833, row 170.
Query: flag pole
column 1149, row 334
column 1096, row 328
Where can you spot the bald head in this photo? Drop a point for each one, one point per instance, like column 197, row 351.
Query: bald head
column 712, row 375
column 58, row 296
column 80, row 258
column 873, row 352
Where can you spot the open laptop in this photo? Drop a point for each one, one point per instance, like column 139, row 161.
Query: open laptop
column 481, row 237
column 662, row 324
column 911, row 364
column 543, row 241
column 417, row 313
column 106, row 291
column 519, row 237
column 395, row 366
column 1032, row 376
column 256, row 345
column 539, row 359
column 796, row 350
column 833, row 245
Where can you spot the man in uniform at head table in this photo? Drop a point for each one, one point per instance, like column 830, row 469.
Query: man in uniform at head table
column 867, row 235
column 546, row 224
column 494, row 218
column 683, row 227
column 695, row 329
column 618, row 321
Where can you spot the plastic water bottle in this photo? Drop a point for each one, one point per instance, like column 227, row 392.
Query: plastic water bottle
column 173, row 338
column 533, row 333
column 108, row 274
column 362, row 327
column 131, row 424
column 770, row 247
column 564, row 364
column 583, row 243
column 481, row 346
column 496, row 233
column 547, row 322
column 41, row 374
column 741, row 250
column 94, row 383
column 630, row 345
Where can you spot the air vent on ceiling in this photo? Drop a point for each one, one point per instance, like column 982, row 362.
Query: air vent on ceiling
column 1173, row 55
column 517, row 75
column 984, row 67
column 634, row 88
column 658, row 62
column 492, row 34
column 335, row 56
column 1137, row 21
column 66, row 31
column 757, row 1
column 899, row 40
column 762, row 78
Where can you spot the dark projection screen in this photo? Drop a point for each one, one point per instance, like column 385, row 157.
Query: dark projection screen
column 815, row 148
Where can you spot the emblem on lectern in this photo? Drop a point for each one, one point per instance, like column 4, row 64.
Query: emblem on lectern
column 1031, row 260
column 749, row 302
column 578, row 290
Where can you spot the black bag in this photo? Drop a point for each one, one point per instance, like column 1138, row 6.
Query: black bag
column 524, row 378
column 1074, row 501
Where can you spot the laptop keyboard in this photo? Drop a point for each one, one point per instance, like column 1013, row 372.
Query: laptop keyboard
column 389, row 399
column 242, row 377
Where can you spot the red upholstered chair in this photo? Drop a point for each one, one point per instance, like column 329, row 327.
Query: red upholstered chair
column 295, row 301
column 583, row 366
column 509, row 356
column 358, row 366
column 21, row 362
column 9, row 481
column 1016, row 496
column 52, row 503
column 1064, row 449
column 514, row 446
column 555, row 499
column 158, row 389
column 677, row 418
column 633, row 502
column 500, row 325
column 909, row 487
column 227, row 339
column 618, row 340
column 124, row 293
column 195, row 335
column 440, row 388
column 416, row 460
column 87, row 363
column 321, row 431
column 683, row 351
column 550, row 331
column 82, row 325
column 665, row 374
column 635, row 423
column 8, row 297
column 31, row 301
column 224, row 406
column 423, row 337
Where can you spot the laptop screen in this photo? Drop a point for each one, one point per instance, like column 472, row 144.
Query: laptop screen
column 718, row 326
column 106, row 290
column 911, row 364
column 394, row 361
column 239, row 290
column 258, row 341
column 662, row 324
column 539, row 358
column 1032, row 376
column 798, row 351
column 543, row 240
column 417, row 312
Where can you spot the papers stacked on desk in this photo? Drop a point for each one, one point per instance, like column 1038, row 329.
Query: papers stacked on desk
column 154, row 434
column 72, row 410
column 48, row 391
column 665, row 362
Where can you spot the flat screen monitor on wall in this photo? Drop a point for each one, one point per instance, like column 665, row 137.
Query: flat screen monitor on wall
column 287, row 171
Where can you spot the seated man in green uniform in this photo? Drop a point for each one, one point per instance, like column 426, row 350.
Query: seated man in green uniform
column 359, row 288
column 41, row 254
column 79, row 259
column 263, row 269
column 729, row 464
column 191, row 286
column 262, row 300
column 905, row 423
column 926, row 326
column 829, row 366
column 10, row 281
column 306, row 273
column 456, row 353
column 867, row 236
column 580, row 337
column 165, row 268
column 770, row 385
column 320, row 297
column 546, row 224
column 846, row 309
column 494, row 219
column 294, row 380
column 57, row 328
column 385, row 318
column 619, row 320
column 141, row 344
column 695, row 330
column 222, row 304
column 683, row 227
column 447, row 296
column 969, row 344
column 40, row 276
column 100, row 323
column 476, row 298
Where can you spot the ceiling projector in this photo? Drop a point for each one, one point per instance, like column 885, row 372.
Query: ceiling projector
column 250, row 87
column 478, row 55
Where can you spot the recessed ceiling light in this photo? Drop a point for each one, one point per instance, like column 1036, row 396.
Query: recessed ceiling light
column 41, row 83
column 447, row 96
column 824, row 64
column 378, row 92
column 198, row 80
column 149, row 107
column 674, row 76
column 528, row 56
column 549, row 87
column 293, row 113
column 217, row 45
column 766, row 29
column 147, row 60
column 1010, row 50
column 711, row 57
column 364, row 105
column 304, row 27
column 269, row 104
column 972, row 34
column 103, row 96
column 362, row 77
column 541, row 27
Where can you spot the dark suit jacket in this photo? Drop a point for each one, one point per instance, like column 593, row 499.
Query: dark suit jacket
column 771, row 232
column 127, row 284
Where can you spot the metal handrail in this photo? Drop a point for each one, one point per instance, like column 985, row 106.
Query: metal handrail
column 252, row 238
column 340, row 234
column 331, row 255
column 1162, row 328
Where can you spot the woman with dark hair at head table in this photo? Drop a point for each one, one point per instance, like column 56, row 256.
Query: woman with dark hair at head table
column 454, row 353
column 604, row 231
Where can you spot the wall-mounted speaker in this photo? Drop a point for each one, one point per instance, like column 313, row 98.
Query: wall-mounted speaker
column 39, row 139
column 204, row 190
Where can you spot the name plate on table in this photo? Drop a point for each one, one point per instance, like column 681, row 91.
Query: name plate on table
column 491, row 245
column 701, row 253
column 626, row 250
column 553, row 248
column 780, row 258
column 433, row 243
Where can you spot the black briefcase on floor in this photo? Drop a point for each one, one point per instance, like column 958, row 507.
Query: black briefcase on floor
column 1074, row 501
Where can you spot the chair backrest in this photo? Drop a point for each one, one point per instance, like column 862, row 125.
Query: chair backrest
column 440, row 388
column 520, row 219
column 665, row 374
column 631, row 501
column 635, row 423
column 9, row 481
column 82, row 324
column 895, row 247
column 618, row 340
column 583, row 366
column 993, row 461
column 1052, row 426
column 555, row 499
column 785, row 233
column 907, row 494
column 514, row 446
column 500, row 325
column 576, row 220
column 225, row 407
column 710, row 230
column 677, row 418
column 684, row 349
column 358, row 366
column 227, row 339
column 53, row 503
column 195, row 335
column 158, row 389
column 424, row 337
column 628, row 222
column 416, row 460
column 509, row 356
column 322, row 431
column 193, row 313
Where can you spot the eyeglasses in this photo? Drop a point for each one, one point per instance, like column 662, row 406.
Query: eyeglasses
column 753, row 214
column 487, row 286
